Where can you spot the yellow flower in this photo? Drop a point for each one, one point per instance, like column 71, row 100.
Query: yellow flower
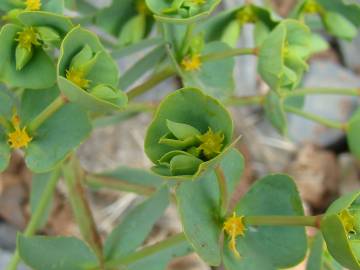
column 19, row 137
column 198, row 2
column 234, row 227
column 312, row 7
column 246, row 15
column 348, row 221
column 211, row 143
column 27, row 38
column 77, row 76
column 33, row 5
column 190, row 63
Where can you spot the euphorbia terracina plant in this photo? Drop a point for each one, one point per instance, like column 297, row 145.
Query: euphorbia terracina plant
column 59, row 79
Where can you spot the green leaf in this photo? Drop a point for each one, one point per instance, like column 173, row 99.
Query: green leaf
column 349, row 11
column 189, row 106
column 199, row 207
column 56, row 138
column 56, row 253
column 34, row 102
column 136, row 226
column 39, row 184
column 146, row 63
column 339, row 26
column 269, row 247
column 216, row 26
column 158, row 7
column 6, row 104
column 130, row 178
column 161, row 259
column 214, row 77
column 5, row 151
column 353, row 134
column 275, row 113
column 39, row 73
column 231, row 33
column 133, row 31
column 315, row 260
column 114, row 17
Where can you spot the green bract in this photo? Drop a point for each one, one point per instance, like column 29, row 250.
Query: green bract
column 283, row 54
column 181, row 11
column 353, row 134
column 338, row 18
column 24, row 57
column 341, row 230
column 55, row 6
column 87, row 75
column 129, row 20
column 190, row 132
column 227, row 25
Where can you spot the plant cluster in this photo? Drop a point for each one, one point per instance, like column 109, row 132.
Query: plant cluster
column 59, row 79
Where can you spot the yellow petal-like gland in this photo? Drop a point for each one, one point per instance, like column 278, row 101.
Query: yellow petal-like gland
column 33, row 5
column 28, row 38
column 198, row 2
column 78, row 77
column 19, row 138
column 191, row 63
column 211, row 143
column 234, row 227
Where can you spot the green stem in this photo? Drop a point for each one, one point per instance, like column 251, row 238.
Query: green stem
column 224, row 198
column 36, row 217
column 228, row 53
column 245, row 100
column 74, row 178
column 47, row 113
column 5, row 123
column 148, row 251
column 312, row 221
column 324, row 91
column 316, row 118
column 151, row 82
column 187, row 39
column 99, row 181
column 117, row 184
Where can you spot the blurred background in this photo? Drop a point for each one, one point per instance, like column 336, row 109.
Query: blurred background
column 315, row 156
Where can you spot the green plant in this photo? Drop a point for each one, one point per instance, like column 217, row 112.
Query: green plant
column 58, row 78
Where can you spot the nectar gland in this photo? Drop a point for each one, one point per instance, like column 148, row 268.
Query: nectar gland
column 19, row 137
column 33, row 5
column 191, row 63
column 211, row 143
column 348, row 221
column 77, row 76
column 234, row 227
column 27, row 38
